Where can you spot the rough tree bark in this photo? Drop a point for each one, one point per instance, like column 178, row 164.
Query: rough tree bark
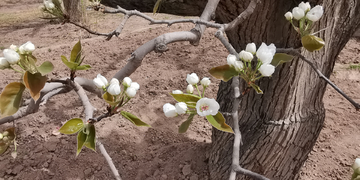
column 280, row 127
column 72, row 8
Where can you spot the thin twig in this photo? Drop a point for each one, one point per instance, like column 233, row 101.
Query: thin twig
column 89, row 111
column 296, row 52
column 108, row 160
column 244, row 15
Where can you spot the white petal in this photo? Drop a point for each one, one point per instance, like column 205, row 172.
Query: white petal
column 298, row 13
column 246, row 56
column 205, row 82
column 190, row 89
column 127, row 82
column 251, row 47
column 130, row 92
column 114, row 81
column 177, row 92
column 231, row 59
column 135, row 85
column 267, row 69
column 11, row 56
column 192, row 79
column 181, row 107
column 114, row 89
column 169, row 110
column 288, row 16
column 4, row 63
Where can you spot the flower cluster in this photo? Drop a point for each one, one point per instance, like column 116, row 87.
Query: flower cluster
column 204, row 106
column 113, row 88
column 12, row 55
column 305, row 15
column 264, row 55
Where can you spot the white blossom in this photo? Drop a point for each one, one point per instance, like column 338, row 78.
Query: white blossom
column 127, row 82
column 13, row 47
column 4, row 63
column 49, row 4
column 130, row 92
column 114, row 81
column 206, row 106
column 100, row 81
column 267, row 69
column 288, row 16
column 190, row 89
column 169, row 110
column 315, row 13
column 356, row 164
column 251, row 47
column 266, row 53
column 11, row 56
column 239, row 66
column 177, row 92
column 135, row 85
column 205, row 82
column 305, row 6
column 28, row 47
column 181, row 107
column 231, row 59
column 246, row 56
column 114, row 87
column 298, row 13
column 192, row 79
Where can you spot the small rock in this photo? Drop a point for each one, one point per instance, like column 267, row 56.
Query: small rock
column 87, row 171
column 186, row 170
column 194, row 177
column 45, row 165
column 17, row 169
column 163, row 177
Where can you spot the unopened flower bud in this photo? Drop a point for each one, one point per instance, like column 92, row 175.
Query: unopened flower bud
column 190, row 89
column 205, row 82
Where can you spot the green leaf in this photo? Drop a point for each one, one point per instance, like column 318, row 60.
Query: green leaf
column 109, row 99
column 218, row 121
column 75, row 52
column 3, row 147
column 10, row 98
column 312, row 43
column 83, row 67
column 224, row 72
column 280, row 58
column 186, row 98
column 156, row 7
column 256, row 88
column 81, row 138
column 91, row 137
column 132, row 118
column 45, row 68
column 185, row 125
column 72, row 126
column 34, row 82
column 70, row 65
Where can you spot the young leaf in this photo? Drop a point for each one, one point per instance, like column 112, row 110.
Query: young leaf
column 109, row 99
column 312, row 43
column 83, row 67
column 256, row 88
column 10, row 98
column 186, row 98
column 132, row 118
column 72, row 126
column 69, row 64
column 34, row 82
column 75, row 52
column 157, row 6
column 3, row 147
column 45, row 68
column 224, row 72
column 218, row 121
column 91, row 137
column 185, row 125
column 81, row 138
column 280, row 58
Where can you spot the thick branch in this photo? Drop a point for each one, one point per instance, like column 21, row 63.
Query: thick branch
column 296, row 52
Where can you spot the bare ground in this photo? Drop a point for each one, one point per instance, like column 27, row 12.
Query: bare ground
column 138, row 152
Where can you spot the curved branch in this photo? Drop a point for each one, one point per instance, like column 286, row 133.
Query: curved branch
column 295, row 52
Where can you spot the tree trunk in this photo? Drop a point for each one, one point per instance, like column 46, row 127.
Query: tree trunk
column 178, row 7
column 72, row 8
column 280, row 127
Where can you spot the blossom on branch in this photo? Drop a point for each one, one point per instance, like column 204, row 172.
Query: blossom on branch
column 288, row 16
column 251, row 47
column 190, row 89
column 181, row 107
column 127, row 82
column 28, row 47
column 4, row 63
column 11, row 56
column 305, row 6
column 169, row 110
column 114, row 87
column 298, row 13
column 266, row 53
column 206, row 106
column 100, row 81
column 246, row 56
column 267, row 70
column 315, row 13
column 192, row 79
column 205, row 82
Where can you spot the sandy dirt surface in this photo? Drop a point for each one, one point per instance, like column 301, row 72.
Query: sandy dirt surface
column 139, row 152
